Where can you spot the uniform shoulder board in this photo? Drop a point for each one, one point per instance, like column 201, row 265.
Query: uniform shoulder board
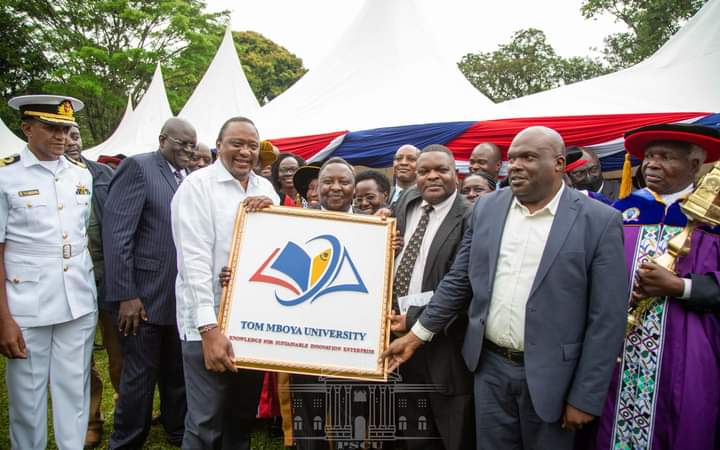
column 9, row 160
column 80, row 164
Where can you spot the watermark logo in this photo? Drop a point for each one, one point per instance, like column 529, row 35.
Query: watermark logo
column 310, row 276
column 360, row 415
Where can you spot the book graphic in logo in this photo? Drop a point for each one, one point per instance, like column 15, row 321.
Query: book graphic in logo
column 307, row 276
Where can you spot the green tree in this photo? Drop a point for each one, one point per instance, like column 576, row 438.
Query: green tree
column 650, row 24
column 524, row 66
column 99, row 50
column 22, row 63
column 269, row 68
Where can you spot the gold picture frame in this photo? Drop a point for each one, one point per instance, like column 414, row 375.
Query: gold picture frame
column 376, row 278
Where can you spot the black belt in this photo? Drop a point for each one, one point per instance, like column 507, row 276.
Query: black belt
column 511, row 355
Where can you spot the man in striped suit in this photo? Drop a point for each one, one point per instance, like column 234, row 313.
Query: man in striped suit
column 140, row 271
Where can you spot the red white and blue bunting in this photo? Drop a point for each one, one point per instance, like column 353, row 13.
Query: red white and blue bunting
column 376, row 147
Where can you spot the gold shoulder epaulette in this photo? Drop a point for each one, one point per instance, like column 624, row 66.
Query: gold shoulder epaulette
column 9, row 160
column 80, row 164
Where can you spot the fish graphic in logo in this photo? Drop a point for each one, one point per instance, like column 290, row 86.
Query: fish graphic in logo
column 310, row 277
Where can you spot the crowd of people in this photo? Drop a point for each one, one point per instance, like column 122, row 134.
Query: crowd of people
column 510, row 295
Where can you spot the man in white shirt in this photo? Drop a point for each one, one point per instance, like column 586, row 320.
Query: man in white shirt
column 222, row 400
column 545, row 268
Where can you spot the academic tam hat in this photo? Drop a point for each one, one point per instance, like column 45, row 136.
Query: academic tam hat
column 638, row 140
column 574, row 159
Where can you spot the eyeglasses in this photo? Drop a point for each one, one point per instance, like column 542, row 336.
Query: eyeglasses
column 582, row 173
column 188, row 146
column 287, row 171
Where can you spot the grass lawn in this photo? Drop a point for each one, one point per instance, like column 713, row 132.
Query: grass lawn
column 156, row 439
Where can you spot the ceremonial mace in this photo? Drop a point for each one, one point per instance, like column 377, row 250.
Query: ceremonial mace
column 701, row 207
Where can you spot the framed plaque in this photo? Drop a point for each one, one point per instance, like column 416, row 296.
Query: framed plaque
column 310, row 292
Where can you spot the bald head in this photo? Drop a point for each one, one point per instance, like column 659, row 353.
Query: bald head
column 536, row 166
column 177, row 142
column 201, row 157
column 544, row 135
column 177, row 125
column 404, row 165
column 486, row 157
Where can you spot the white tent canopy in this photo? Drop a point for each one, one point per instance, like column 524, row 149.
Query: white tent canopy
column 386, row 70
column 94, row 152
column 138, row 131
column 222, row 93
column 10, row 144
column 682, row 76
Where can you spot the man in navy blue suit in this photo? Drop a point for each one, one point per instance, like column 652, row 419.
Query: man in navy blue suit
column 140, row 270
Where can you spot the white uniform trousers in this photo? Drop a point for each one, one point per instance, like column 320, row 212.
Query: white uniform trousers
column 62, row 353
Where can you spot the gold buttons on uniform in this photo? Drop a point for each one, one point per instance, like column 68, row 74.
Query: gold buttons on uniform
column 60, row 206
column 15, row 280
column 65, row 269
column 65, row 235
column 29, row 205
column 57, row 179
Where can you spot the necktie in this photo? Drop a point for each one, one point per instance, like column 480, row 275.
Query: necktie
column 410, row 254
column 179, row 177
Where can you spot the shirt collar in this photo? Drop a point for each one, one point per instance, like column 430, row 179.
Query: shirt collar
column 443, row 206
column 224, row 175
column 669, row 199
column 550, row 208
column 28, row 159
column 183, row 172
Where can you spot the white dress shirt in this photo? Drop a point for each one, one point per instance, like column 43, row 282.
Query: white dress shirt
column 203, row 217
column 437, row 215
column 521, row 248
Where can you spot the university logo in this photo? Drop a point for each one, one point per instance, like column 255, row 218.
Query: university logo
column 309, row 277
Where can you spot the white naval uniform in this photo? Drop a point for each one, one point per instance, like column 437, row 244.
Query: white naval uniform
column 51, row 295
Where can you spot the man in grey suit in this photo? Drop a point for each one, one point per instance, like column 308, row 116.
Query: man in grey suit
column 429, row 250
column 545, row 268
column 140, row 272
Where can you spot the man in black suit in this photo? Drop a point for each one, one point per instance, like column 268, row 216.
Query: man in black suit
column 590, row 177
column 429, row 250
column 403, row 170
column 140, row 264
column 545, row 267
column 101, row 175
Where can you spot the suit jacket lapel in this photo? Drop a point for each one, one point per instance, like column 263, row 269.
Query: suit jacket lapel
column 496, row 223
column 451, row 221
column 562, row 224
column 165, row 170
column 412, row 197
